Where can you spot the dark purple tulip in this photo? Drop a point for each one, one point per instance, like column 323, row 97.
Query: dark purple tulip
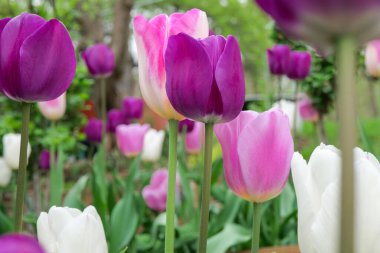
column 132, row 107
column 205, row 78
column 278, row 59
column 37, row 58
column 99, row 59
column 19, row 243
column 319, row 22
column 189, row 124
column 44, row 160
column 115, row 118
column 93, row 130
column 299, row 65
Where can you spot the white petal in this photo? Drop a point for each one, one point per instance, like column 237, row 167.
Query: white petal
column 153, row 142
column 44, row 234
column 5, row 173
column 59, row 217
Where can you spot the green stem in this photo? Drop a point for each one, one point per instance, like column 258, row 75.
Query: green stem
column 256, row 227
column 170, row 203
column 103, row 102
column 21, row 179
column 346, row 77
column 206, row 189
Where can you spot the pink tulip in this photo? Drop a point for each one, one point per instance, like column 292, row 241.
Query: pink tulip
column 257, row 151
column 307, row 110
column 54, row 109
column 130, row 138
column 193, row 139
column 372, row 58
column 155, row 193
column 151, row 38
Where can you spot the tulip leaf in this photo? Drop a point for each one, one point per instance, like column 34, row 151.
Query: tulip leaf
column 99, row 183
column 57, row 179
column 73, row 197
column 231, row 235
column 6, row 224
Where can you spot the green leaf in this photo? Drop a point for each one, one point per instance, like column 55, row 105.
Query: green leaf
column 57, row 179
column 364, row 137
column 6, row 224
column 231, row 235
column 99, row 183
column 73, row 198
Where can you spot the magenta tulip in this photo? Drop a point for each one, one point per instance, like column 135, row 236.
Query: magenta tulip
column 186, row 123
column 130, row 138
column 307, row 110
column 44, row 160
column 193, row 139
column 54, row 109
column 257, row 151
column 93, row 130
column 37, row 58
column 299, row 65
column 278, row 59
column 155, row 194
column 132, row 107
column 99, row 59
column 115, row 118
column 372, row 58
column 151, row 39
column 205, row 78
column 19, row 243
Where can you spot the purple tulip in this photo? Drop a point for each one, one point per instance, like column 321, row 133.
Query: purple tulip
column 132, row 107
column 44, row 160
column 205, row 78
column 19, row 243
column 115, row 117
column 320, row 22
column 37, row 58
column 99, row 59
column 299, row 65
column 278, row 59
column 189, row 124
column 93, row 130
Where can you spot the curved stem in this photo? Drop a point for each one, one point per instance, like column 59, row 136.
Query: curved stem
column 206, row 189
column 170, row 203
column 256, row 227
column 21, row 178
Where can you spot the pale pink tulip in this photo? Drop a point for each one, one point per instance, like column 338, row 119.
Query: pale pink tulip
column 54, row 109
column 257, row 151
column 193, row 139
column 372, row 58
column 130, row 138
column 307, row 110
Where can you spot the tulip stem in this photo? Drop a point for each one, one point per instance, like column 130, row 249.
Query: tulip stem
column 21, row 178
column 256, row 227
column 206, row 189
column 346, row 77
column 170, row 203
column 103, row 102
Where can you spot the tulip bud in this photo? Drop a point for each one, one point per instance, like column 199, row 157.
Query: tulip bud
column 307, row 111
column 257, row 150
column 93, row 130
column 130, row 138
column 44, row 160
column 19, row 243
column 153, row 142
column 65, row 229
column 278, row 59
column 372, row 58
column 189, row 124
column 99, row 59
column 5, row 173
column 132, row 107
column 155, row 194
column 11, row 150
column 299, row 65
column 37, row 59
column 54, row 109
column 193, row 139
column 114, row 118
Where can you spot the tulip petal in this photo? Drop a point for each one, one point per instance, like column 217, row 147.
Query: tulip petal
column 47, row 61
column 229, row 76
column 3, row 22
column 194, row 23
column 59, row 217
column 45, row 236
column 186, row 59
column 19, row 243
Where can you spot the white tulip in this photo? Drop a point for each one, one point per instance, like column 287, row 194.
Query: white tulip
column 153, row 142
column 68, row 230
column 289, row 108
column 5, row 173
column 11, row 150
column 317, row 185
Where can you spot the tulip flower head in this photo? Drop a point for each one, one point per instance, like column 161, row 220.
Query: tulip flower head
column 44, row 160
column 5, row 173
column 100, row 60
column 130, row 138
column 317, row 184
column 153, row 142
column 257, row 150
column 115, row 117
column 37, row 59
column 372, row 58
column 290, row 109
column 54, row 109
column 93, row 130
column 205, row 78
column 65, row 229
column 151, row 39
column 186, row 123
column 307, row 111
column 278, row 59
column 299, row 65
column 193, row 139
column 19, row 243
column 132, row 107
column 11, row 150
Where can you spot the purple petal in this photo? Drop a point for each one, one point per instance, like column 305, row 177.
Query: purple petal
column 99, row 59
column 19, row 243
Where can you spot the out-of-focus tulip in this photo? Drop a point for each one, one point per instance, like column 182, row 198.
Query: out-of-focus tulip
column 65, row 229
column 132, row 107
column 189, row 124
column 205, row 78
column 299, row 65
column 321, row 22
column 153, row 142
column 317, row 184
column 53, row 109
column 307, row 111
column 93, row 130
column 278, row 59
column 151, row 38
column 11, row 150
column 115, row 117
column 5, row 173
column 257, row 151
column 37, row 58
column 372, row 58
column 193, row 139
column 19, row 243
column 155, row 194
column 99, row 59
column 289, row 108
column 130, row 138
column 44, row 160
